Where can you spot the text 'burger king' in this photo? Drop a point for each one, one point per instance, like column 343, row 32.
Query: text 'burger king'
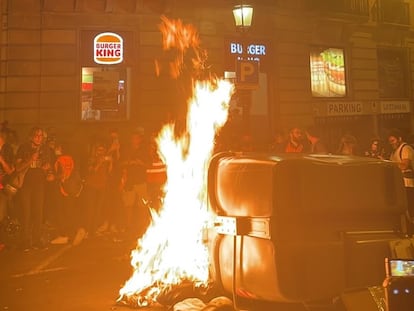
column 108, row 48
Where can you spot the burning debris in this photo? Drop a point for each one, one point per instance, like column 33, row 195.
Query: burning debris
column 181, row 38
column 181, row 297
column 172, row 260
column 195, row 304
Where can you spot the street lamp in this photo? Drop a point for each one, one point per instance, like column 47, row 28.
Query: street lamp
column 243, row 15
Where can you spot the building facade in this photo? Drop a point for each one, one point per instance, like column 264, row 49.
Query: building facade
column 343, row 65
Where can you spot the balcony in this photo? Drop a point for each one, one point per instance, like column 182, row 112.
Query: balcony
column 392, row 12
column 353, row 10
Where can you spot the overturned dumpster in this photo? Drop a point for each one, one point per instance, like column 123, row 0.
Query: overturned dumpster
column 298, row 228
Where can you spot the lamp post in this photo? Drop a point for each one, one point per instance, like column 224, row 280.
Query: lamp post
column 243, row 17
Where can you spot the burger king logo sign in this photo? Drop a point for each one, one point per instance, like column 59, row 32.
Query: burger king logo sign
column 108, row 48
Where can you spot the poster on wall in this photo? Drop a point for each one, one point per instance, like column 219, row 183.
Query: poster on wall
column 105, row 90
column 327, row 67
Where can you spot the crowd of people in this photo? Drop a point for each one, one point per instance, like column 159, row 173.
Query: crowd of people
column 310, row 140
column 110, row 188
column 107, row 190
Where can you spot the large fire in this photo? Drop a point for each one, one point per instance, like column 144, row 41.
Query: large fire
column 174, row 248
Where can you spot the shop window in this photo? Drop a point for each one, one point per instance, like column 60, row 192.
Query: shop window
column 392, row 73
column 104, row 94
column 107, row 59
column 327, row 68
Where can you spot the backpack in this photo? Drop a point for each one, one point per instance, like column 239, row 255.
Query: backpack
column 70, row 180
column 408, row 173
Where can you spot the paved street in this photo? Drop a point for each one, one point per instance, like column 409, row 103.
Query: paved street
column 63, row 277
column 86, row 277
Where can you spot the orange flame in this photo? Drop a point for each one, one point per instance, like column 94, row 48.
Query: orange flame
column 181, row 37
column 174, row 248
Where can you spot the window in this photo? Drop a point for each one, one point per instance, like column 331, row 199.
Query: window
column 327, row 68
column 104, row 94
column 392, row 75
column 107, row 62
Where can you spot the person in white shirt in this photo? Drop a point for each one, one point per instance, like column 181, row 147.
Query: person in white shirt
column 403, row 154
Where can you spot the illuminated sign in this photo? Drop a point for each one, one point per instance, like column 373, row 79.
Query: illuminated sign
column 246, row 49
column 247, row 74
column 251, row 50
column 327, row 67
column 108, row 48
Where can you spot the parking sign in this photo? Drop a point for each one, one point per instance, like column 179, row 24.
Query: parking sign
column 247, row 74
